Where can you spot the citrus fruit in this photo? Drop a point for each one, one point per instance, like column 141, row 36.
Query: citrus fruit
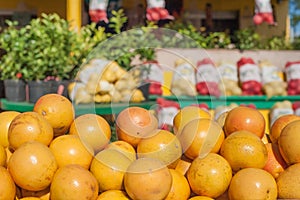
column 113, row 195
column 180, row 188
column 252, row 183
column 288, row 182
column 275, row 163
column 200, row 137
column 124, row 147
column 74, row 182
column 244, row 149
column 30, row 198
column 92, row 129
column 279, row 124
column 187, row 114
column 5, row 119
column 32, row 166
column 147, row 179
column 7, row 185
column 3, row 156
column 288, row 142
column 200, row 198
column 245, row 118
column 57, row 110
column 68, row 149
column 29, row 126
column 162, row 145
column 209, row 176
column 109, row 167
column 135, row 123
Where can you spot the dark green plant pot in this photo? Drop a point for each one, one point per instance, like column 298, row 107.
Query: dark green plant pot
column 15, row 90
column 37, row 89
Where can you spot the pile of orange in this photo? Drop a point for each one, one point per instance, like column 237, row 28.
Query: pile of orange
column 50, row 153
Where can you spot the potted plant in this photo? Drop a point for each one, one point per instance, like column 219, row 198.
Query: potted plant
column 13, row 42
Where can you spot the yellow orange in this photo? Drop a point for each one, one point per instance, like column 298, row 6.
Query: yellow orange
column 288, row 182
column 209, row 176
column 146, row 175
column 57, row 110
column 279, row 125
column 245, row 118
column 243, row 149
column 3, row 156
column 68, row 149
column 7, row 185
column 135, row 123
column 252, row 183
column 92, row 129
column 32, row 166
column 200, row 137
column 5, row 119
column 29, row 126
column 162, row 145
column 288, row 143
column 73, row 182
column 124, row 147
column 113, row 195
column 180, row 188
column 109, row 167
column 186, row 115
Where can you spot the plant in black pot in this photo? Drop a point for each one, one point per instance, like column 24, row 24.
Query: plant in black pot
column 49, row 55
column 13, row 43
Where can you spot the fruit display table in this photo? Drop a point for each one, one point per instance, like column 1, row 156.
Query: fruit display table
column 101, row 109
column 261, row 102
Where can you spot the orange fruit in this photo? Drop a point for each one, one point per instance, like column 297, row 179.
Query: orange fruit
column 275, row 163
column 3, row 156
column 32, row 166
column 200, row 198
column 29, row 126
column 124, row 147
column 92, row 129
column 113, row 195
column 7, row 185
column 252, row 183
column 288, row 142
column 73, row 182
column 147, row 179
column 57, row 110
column 180, row 188
column 134, row 123
column 288, row 182
column 109, row 167
column 186, row 115
column 245, row 118
column 279, row 125
column 209, row 176
column 162, row 145
column 5, row 119
column 30, row 198
column 200, row 137
column 68, row 149
column 244, row 149
column 182, row 166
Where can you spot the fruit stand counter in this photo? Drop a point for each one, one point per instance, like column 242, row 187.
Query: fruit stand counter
column 102, row 109
column 261, row 102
